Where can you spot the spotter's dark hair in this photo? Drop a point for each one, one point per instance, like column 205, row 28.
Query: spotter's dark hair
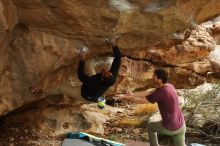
column 161, row 74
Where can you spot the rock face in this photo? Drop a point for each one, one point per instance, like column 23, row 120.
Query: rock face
column 40, row 40
column 57, row 115
column 8, row 19
column 214, row 26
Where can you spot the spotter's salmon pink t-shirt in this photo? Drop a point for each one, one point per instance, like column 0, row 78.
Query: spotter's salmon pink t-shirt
column 167, row 100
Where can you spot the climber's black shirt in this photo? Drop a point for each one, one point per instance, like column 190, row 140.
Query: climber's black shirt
column 92, row 87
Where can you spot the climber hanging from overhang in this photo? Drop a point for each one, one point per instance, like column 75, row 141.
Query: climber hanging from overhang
column 94, row 84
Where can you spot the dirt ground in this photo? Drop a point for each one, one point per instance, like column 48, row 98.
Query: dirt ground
column 12, row 135
column 19, row 135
